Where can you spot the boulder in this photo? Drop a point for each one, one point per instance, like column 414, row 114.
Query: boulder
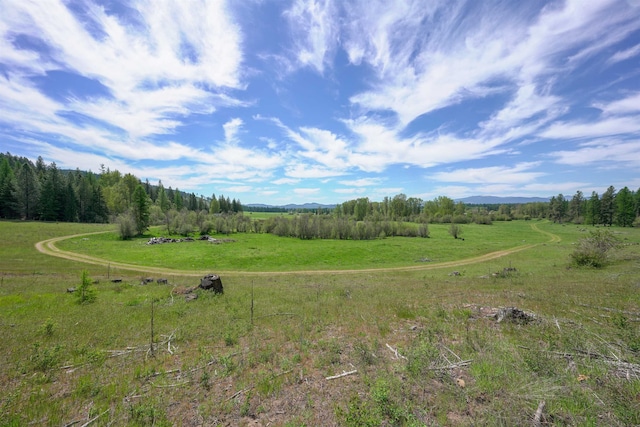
column 212, row 282
column 162, row 280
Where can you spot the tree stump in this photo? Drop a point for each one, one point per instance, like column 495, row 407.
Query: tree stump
column 212, row 282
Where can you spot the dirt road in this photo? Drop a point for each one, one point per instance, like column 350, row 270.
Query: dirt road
column 48, row 247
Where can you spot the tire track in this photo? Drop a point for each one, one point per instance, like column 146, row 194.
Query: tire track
column 49, row 247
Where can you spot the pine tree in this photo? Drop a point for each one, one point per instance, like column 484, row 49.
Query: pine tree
column 27, row 191
column 163, row 200
column 608, row 206
column 178, row 201
column 214, row 206
column 625, row 209
column 8, row 201
column 140, row 209
column 50, row 198
column 593, row 209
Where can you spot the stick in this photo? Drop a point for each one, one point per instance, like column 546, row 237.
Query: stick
column 538, row 415
column 343, row 374
column 395, row 351
column 452, row 366
column 238, row 393
column 94, row 418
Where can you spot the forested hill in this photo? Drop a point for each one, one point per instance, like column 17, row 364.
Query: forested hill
column 44, row 192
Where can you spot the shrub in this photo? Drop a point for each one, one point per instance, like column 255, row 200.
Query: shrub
column 593, row 251
column 85, row 293
column 126, row 226
column 455, row 230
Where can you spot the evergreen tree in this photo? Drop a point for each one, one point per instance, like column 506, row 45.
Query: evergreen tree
column 178, row 201
column 140, row 209
column 8, row 201
column 593, row 209
column 214, row 206
column 163, row 200
column 69, row 203
column 27, row 191
column 51, row 195
column 625, row 208
column 576, row 207
column 193, row 202
column 608, row 206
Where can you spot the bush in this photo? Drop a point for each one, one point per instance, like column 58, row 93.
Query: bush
column 455, row 230
column 593, row 251
column 85, row 293
column 126, row 226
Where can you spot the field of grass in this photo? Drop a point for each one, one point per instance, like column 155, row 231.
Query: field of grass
column 265, row 252
column 423, row 344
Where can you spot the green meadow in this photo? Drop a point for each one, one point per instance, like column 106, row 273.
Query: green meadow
column 251, row 252
column 398, row 343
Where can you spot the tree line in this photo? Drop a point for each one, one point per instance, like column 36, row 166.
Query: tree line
column 37, row 191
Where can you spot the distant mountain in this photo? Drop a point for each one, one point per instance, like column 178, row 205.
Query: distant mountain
column 496, row 200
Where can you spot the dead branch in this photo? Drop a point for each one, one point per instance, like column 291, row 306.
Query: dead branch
column 538, row 415
column 171, row 385
column 395, row 352
column 343, row 374
column 452, row 366
column 94, row 418
column 238, row 393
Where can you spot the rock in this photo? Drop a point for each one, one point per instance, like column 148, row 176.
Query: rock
column 71, row 290
column 116, row 280
column 514, row 315
column 190, row 297
column 212, row 282
column 162, row 281
column 454, row 273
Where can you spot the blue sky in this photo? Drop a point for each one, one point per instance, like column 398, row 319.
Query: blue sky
column 275, row 101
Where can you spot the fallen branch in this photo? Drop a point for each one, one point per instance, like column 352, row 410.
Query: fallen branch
column 171, row 385
column 238, row 393
column 343, row 374
column 452, row 366
column 395, row 352
column 538, row 415
column 94, row 418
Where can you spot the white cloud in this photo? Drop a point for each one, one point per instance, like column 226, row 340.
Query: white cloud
column 599, row 128
column 519, row 174
column 603, row 151
column 314, row 32
column 623, row 55
column 362, row 182
column 306, row 191
column 629, row 104
column 285, row 181
column 231, row 129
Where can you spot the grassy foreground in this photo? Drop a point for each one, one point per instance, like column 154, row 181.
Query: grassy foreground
column 422, row 343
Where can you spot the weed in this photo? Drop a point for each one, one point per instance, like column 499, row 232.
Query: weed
column 365, row 353
column 48, row 327
column 204, row 381
column 147, row 414
column 86, row 292
column 44, row 359
column 87, row 387
column 358, row 414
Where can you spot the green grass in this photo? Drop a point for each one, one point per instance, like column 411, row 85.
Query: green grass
column 264, row 252
column 62, row 362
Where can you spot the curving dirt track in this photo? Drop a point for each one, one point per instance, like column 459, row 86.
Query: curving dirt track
column 48, row 247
